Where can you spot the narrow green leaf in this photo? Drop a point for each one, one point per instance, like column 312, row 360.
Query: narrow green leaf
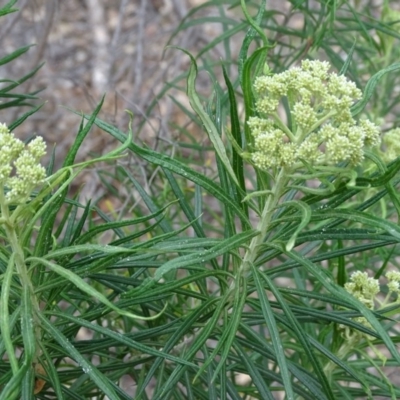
column 349, row 58
column 51, row 371
column 149, row 201
column 14, row 54
column 305, row 210
column 209, row 360
column 206, row 255
column 6, row 9
column 259, row 344
column 230, row 330
column 107, row 249
column 222, row 37
column 13, row 319
column 340, row 363
column 321, row 275
column 5, row 317
column 88, row 368
column 77, row 230
column 83, row 132
column 124, row 339
column 18, row 82
column 195, row 347
column 27, row 384
column 21, row 119
column 185, row 206
column 247, row 88
column 300, row 333
column 27, row 327
column 237, row 161
column 13, row 387
column 341, row 274
column 370, row 87
column 255, row 375
column 86, row 288
column 86, row 237
column 69, row 225
column 178, row 168
column 251, row 33
column 275, row 336
column 211, row 129
column 186, row 325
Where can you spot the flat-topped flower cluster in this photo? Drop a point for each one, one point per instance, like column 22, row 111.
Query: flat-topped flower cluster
column 322, row 131
column 366, row 290
column 20, row 168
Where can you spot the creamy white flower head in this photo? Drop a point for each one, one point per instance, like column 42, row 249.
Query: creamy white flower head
column 393, row 281
column 363, row 288
column 391, row 141
column 323, row 131
column 20, row 168
column 366, row 289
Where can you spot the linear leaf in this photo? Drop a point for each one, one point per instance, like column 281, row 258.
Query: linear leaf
column 274, row 334
column 88, row 368
column 223, row 247
column 370, row 87
column 211, row 129
column 322, row 276
column 85, row 287
column 179, row 168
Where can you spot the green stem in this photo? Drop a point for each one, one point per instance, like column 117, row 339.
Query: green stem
column 18, row 258
column 341, row 354
column 262, row 226
column 323, row 119
column 282, row 126
column 5, row 325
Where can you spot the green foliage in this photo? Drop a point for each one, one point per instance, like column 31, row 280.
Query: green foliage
column 219, row 283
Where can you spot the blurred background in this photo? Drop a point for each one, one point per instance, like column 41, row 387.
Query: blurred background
column 92, row 47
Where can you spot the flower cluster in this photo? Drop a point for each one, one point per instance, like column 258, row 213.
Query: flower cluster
column 363, row 288
column 20, row 168
column 366, row 289
column 391, row 142
column 322, row 132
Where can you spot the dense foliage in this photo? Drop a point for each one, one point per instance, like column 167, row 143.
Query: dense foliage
column 255, row 256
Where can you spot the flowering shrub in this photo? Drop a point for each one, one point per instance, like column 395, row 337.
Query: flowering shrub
column 201, row 276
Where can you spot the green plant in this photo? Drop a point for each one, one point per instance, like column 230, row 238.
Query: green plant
column 229, row 281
